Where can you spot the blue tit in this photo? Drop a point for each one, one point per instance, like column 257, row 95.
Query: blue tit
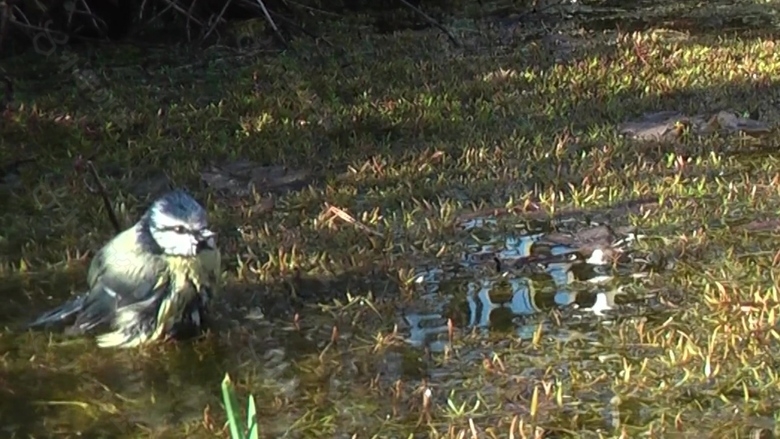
column 152, row 281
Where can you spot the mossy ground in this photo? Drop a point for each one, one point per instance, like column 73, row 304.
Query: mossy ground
column 407, row 134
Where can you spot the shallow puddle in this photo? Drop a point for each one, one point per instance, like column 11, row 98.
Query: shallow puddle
column 515, row 301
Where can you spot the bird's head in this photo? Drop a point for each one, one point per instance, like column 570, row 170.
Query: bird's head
column 179, row 225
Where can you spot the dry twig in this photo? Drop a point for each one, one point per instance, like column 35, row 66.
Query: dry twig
column 99, row 189
column 336, row 212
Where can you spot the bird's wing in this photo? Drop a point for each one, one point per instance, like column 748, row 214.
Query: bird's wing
column 61, row 313
column 117, row 283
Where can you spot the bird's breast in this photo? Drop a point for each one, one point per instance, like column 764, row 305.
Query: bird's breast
column 195, row 276
column 189, row 279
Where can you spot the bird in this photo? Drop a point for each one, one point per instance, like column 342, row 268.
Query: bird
column 153, row 281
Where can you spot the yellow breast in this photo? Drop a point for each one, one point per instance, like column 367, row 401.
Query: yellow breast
column 187, row 278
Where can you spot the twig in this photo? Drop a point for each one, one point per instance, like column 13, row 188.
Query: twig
column 15, row 10
column 336, row 212
column 102, row 29
column 5, row 16
column 310, row 34
column 176, row 6
column 50, row 33
column 189, row 14
column 219, row 18
column 313, row 9
column 271, row 22
column 100, row 189
column 151, row 20
column 70, row 9
column 8, row 95
column 98, row 23
column 431, row 21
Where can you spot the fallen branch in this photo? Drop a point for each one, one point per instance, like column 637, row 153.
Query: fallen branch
column 431, row 21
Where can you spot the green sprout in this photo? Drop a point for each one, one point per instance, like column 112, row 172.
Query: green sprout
column 234, row 418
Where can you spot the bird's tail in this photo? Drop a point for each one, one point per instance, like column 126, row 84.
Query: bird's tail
column 59, row 314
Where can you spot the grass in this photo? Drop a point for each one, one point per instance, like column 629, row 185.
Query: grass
column 410, row 137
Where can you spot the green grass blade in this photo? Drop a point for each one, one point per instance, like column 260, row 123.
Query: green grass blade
column 229, row 399
column 253, row 432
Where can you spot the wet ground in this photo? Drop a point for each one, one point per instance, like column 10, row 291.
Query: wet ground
column 500, row 290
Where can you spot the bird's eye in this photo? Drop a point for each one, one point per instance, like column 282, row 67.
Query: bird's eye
column 180, row 229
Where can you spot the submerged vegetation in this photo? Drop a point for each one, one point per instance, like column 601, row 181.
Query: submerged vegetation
column 365, row 192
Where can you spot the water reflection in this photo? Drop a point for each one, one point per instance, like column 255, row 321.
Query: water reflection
column 506, row 302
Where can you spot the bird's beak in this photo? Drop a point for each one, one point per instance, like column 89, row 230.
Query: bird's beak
column 206, row 239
